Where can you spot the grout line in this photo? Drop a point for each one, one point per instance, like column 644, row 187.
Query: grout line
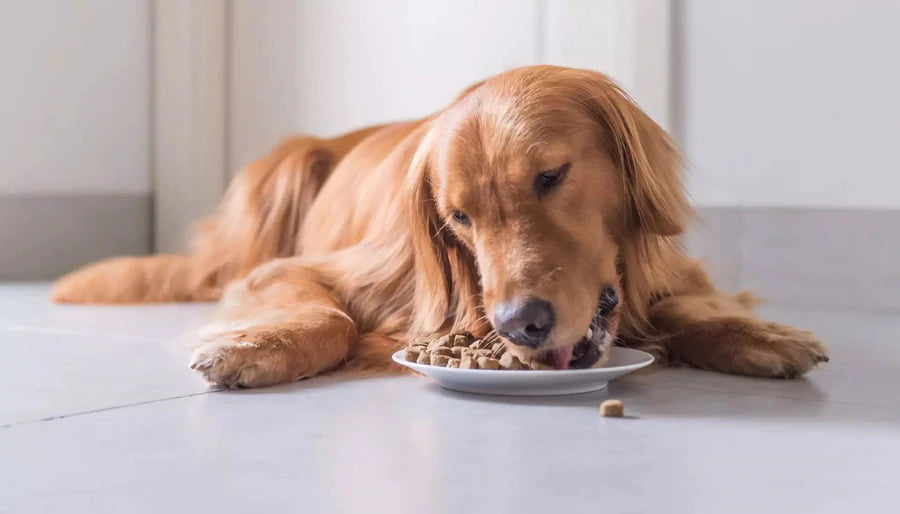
column 104, row 409
column 633, row 380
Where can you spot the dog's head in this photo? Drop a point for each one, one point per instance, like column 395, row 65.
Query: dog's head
column 533, row 196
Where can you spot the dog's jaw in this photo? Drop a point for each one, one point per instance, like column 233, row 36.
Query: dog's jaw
column 593, row 348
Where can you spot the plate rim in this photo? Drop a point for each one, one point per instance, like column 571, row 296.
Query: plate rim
column 398, row 358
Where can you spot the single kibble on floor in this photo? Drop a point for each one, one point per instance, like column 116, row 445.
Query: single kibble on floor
column 424, row 358
column 412, row 354
column 453, row 363
column 612, row 409
column 439, row 360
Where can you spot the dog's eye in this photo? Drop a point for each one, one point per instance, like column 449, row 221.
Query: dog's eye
column 461, row 218
column 547, row 180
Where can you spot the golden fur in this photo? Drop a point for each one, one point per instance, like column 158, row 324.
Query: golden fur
column 334, row 252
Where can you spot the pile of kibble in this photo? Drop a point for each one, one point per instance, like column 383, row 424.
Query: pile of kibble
column 463, row 350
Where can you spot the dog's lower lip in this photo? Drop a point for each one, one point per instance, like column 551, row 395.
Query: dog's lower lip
column 586, row 353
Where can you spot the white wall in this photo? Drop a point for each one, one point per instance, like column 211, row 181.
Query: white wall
column 263, row 84
column 792, row 103
column 364, row 62
column 360, row 62
column 74, row 96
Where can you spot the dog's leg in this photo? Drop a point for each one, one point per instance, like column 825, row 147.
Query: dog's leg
column 279, row 324
column 155, row 278
column 258, row 220
column 708, row 330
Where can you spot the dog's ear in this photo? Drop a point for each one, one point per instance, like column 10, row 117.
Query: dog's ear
column 446, row 280
column 656, row 206
column 646, row 155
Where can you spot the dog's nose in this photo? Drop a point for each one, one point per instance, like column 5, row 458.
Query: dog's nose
column 525, row 322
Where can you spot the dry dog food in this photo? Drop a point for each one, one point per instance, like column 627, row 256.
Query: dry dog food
column 463, row 350
column 612, row 409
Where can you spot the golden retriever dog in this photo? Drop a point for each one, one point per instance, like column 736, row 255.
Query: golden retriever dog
column 542, row 204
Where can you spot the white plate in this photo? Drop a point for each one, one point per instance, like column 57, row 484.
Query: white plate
column 533, row 383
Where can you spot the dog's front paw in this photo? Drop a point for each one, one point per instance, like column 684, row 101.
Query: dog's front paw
column 229, row 361
column 787, row 352
column 748, row 346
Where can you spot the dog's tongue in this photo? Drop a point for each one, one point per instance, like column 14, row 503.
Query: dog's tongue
column 560, row 357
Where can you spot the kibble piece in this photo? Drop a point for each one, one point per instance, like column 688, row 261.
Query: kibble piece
column 445, row 341
column 439, row 360
column 510, row 361
column 488, row 363
column 442, row 350
column 463, row 350
column 468, row 362
column 612, row 409
column 412, row 354
column 468, row 352
column 460, row 340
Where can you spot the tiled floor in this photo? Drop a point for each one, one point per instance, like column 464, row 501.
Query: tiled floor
column 100, row 413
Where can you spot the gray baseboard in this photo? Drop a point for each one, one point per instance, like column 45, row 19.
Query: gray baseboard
column 43, row 237
column 804, row 257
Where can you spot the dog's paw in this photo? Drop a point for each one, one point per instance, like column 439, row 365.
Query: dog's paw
column 743, row 345
column 756, row 348
column 101, row 282
column 787, row 352
column 226, row 361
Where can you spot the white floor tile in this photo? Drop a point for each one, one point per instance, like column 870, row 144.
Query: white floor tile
column 865, row 359
column 45, row 375
column 402, row 445
column 26, row 306
column 128, row 429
